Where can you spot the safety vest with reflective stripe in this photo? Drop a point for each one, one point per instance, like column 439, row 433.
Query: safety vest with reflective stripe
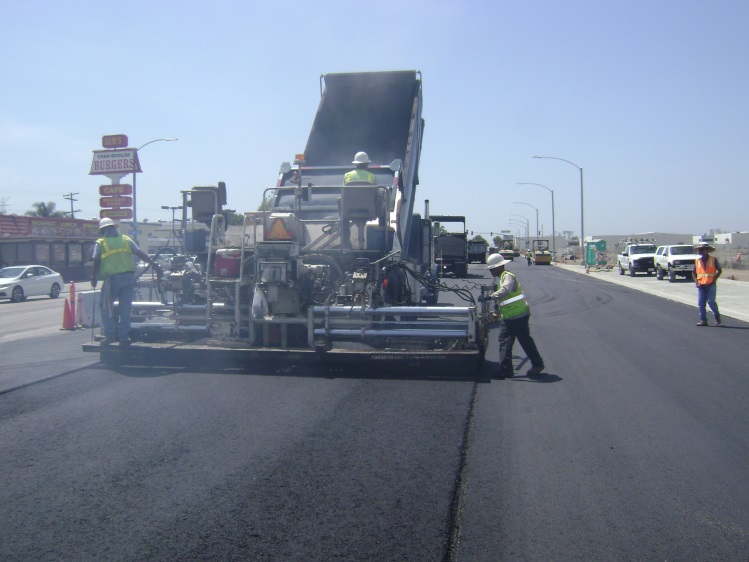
column 706, row 272
column 359, row 175
column 512, row 305
column 116, row 256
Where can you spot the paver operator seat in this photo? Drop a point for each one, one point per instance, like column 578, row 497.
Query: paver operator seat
column 360, row 203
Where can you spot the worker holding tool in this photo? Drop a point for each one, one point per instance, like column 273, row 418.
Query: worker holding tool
column 515, row 315
column 113, row 264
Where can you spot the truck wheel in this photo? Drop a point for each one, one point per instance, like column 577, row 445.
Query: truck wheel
column 671, row 276
column 659, row 273
column 631, row 270
column 621, row 270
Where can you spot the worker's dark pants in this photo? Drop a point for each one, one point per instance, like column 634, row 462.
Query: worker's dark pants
column 706, row 297
column 119, row 287
column 509, row 331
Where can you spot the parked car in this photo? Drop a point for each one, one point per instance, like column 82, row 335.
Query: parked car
column 675, row 260
column 18, row 282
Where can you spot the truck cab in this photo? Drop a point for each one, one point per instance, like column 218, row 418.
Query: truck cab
column 674, row 261
column 637, row 258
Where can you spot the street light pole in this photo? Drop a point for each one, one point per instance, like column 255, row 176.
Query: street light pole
column 135, row 209
column 525, row 229
column 526, row 226
column 174, row 234
column 553, row 224
column 583, row 259
column 532, row 207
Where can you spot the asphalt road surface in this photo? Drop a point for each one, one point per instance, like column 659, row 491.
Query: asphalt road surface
column 634, row 445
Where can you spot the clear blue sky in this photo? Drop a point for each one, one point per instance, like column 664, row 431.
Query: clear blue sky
column 648, row 96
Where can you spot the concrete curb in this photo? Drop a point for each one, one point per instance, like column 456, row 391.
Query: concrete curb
column 733, row 296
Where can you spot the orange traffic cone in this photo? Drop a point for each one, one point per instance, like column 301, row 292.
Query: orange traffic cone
column 67, row 318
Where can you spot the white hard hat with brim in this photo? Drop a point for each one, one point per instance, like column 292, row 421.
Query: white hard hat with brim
column 105, row 222
column 361, row 158
column 706, row 246
column 495, row 261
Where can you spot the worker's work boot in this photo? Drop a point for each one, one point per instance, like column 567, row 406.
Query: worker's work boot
column 717, row 320
column 702, row 323
column 535, row 371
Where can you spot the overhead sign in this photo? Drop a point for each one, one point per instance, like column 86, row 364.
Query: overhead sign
column 114, row 141
column 116, row 189
column 116, row 201
column 118, row 161
column 118, row 214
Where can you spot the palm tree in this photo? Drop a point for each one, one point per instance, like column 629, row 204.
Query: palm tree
column 42, row 209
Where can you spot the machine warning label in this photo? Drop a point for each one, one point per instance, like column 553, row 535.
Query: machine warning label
column 277, row 231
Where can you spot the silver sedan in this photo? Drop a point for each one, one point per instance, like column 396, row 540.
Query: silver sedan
column 21, row 281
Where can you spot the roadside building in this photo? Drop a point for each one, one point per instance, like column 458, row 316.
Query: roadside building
column 64, row 245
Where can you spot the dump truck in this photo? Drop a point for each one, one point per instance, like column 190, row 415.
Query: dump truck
column 326, row 272
column 477, row 250
column 451, row 245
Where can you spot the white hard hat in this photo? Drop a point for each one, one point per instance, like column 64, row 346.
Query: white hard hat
column 496, row 260
column 361, row 158
column 103, row 223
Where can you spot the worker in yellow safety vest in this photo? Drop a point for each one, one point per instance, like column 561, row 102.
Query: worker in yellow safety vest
column 705, row 273
column 515, row 316
column 360, row 174
column 113, row 264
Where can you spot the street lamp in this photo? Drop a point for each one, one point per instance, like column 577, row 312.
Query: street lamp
column 135, row 212
column 174, row 234
column 526, row 225
column 583, row 260
column 532, row 207
column 515, row 223
column 553, row 225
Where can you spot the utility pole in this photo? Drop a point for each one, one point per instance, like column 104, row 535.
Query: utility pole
column 69, row 197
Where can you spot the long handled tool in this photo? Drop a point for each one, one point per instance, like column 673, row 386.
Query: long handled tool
column 93, row 318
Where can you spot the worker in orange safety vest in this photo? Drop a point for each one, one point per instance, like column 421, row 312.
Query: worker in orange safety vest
column 705, row 273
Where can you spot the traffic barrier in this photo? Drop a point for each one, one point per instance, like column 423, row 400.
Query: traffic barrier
column 67, row 318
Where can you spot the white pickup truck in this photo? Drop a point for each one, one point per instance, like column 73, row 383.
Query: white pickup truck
column 637, row 258
column 673, row 261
